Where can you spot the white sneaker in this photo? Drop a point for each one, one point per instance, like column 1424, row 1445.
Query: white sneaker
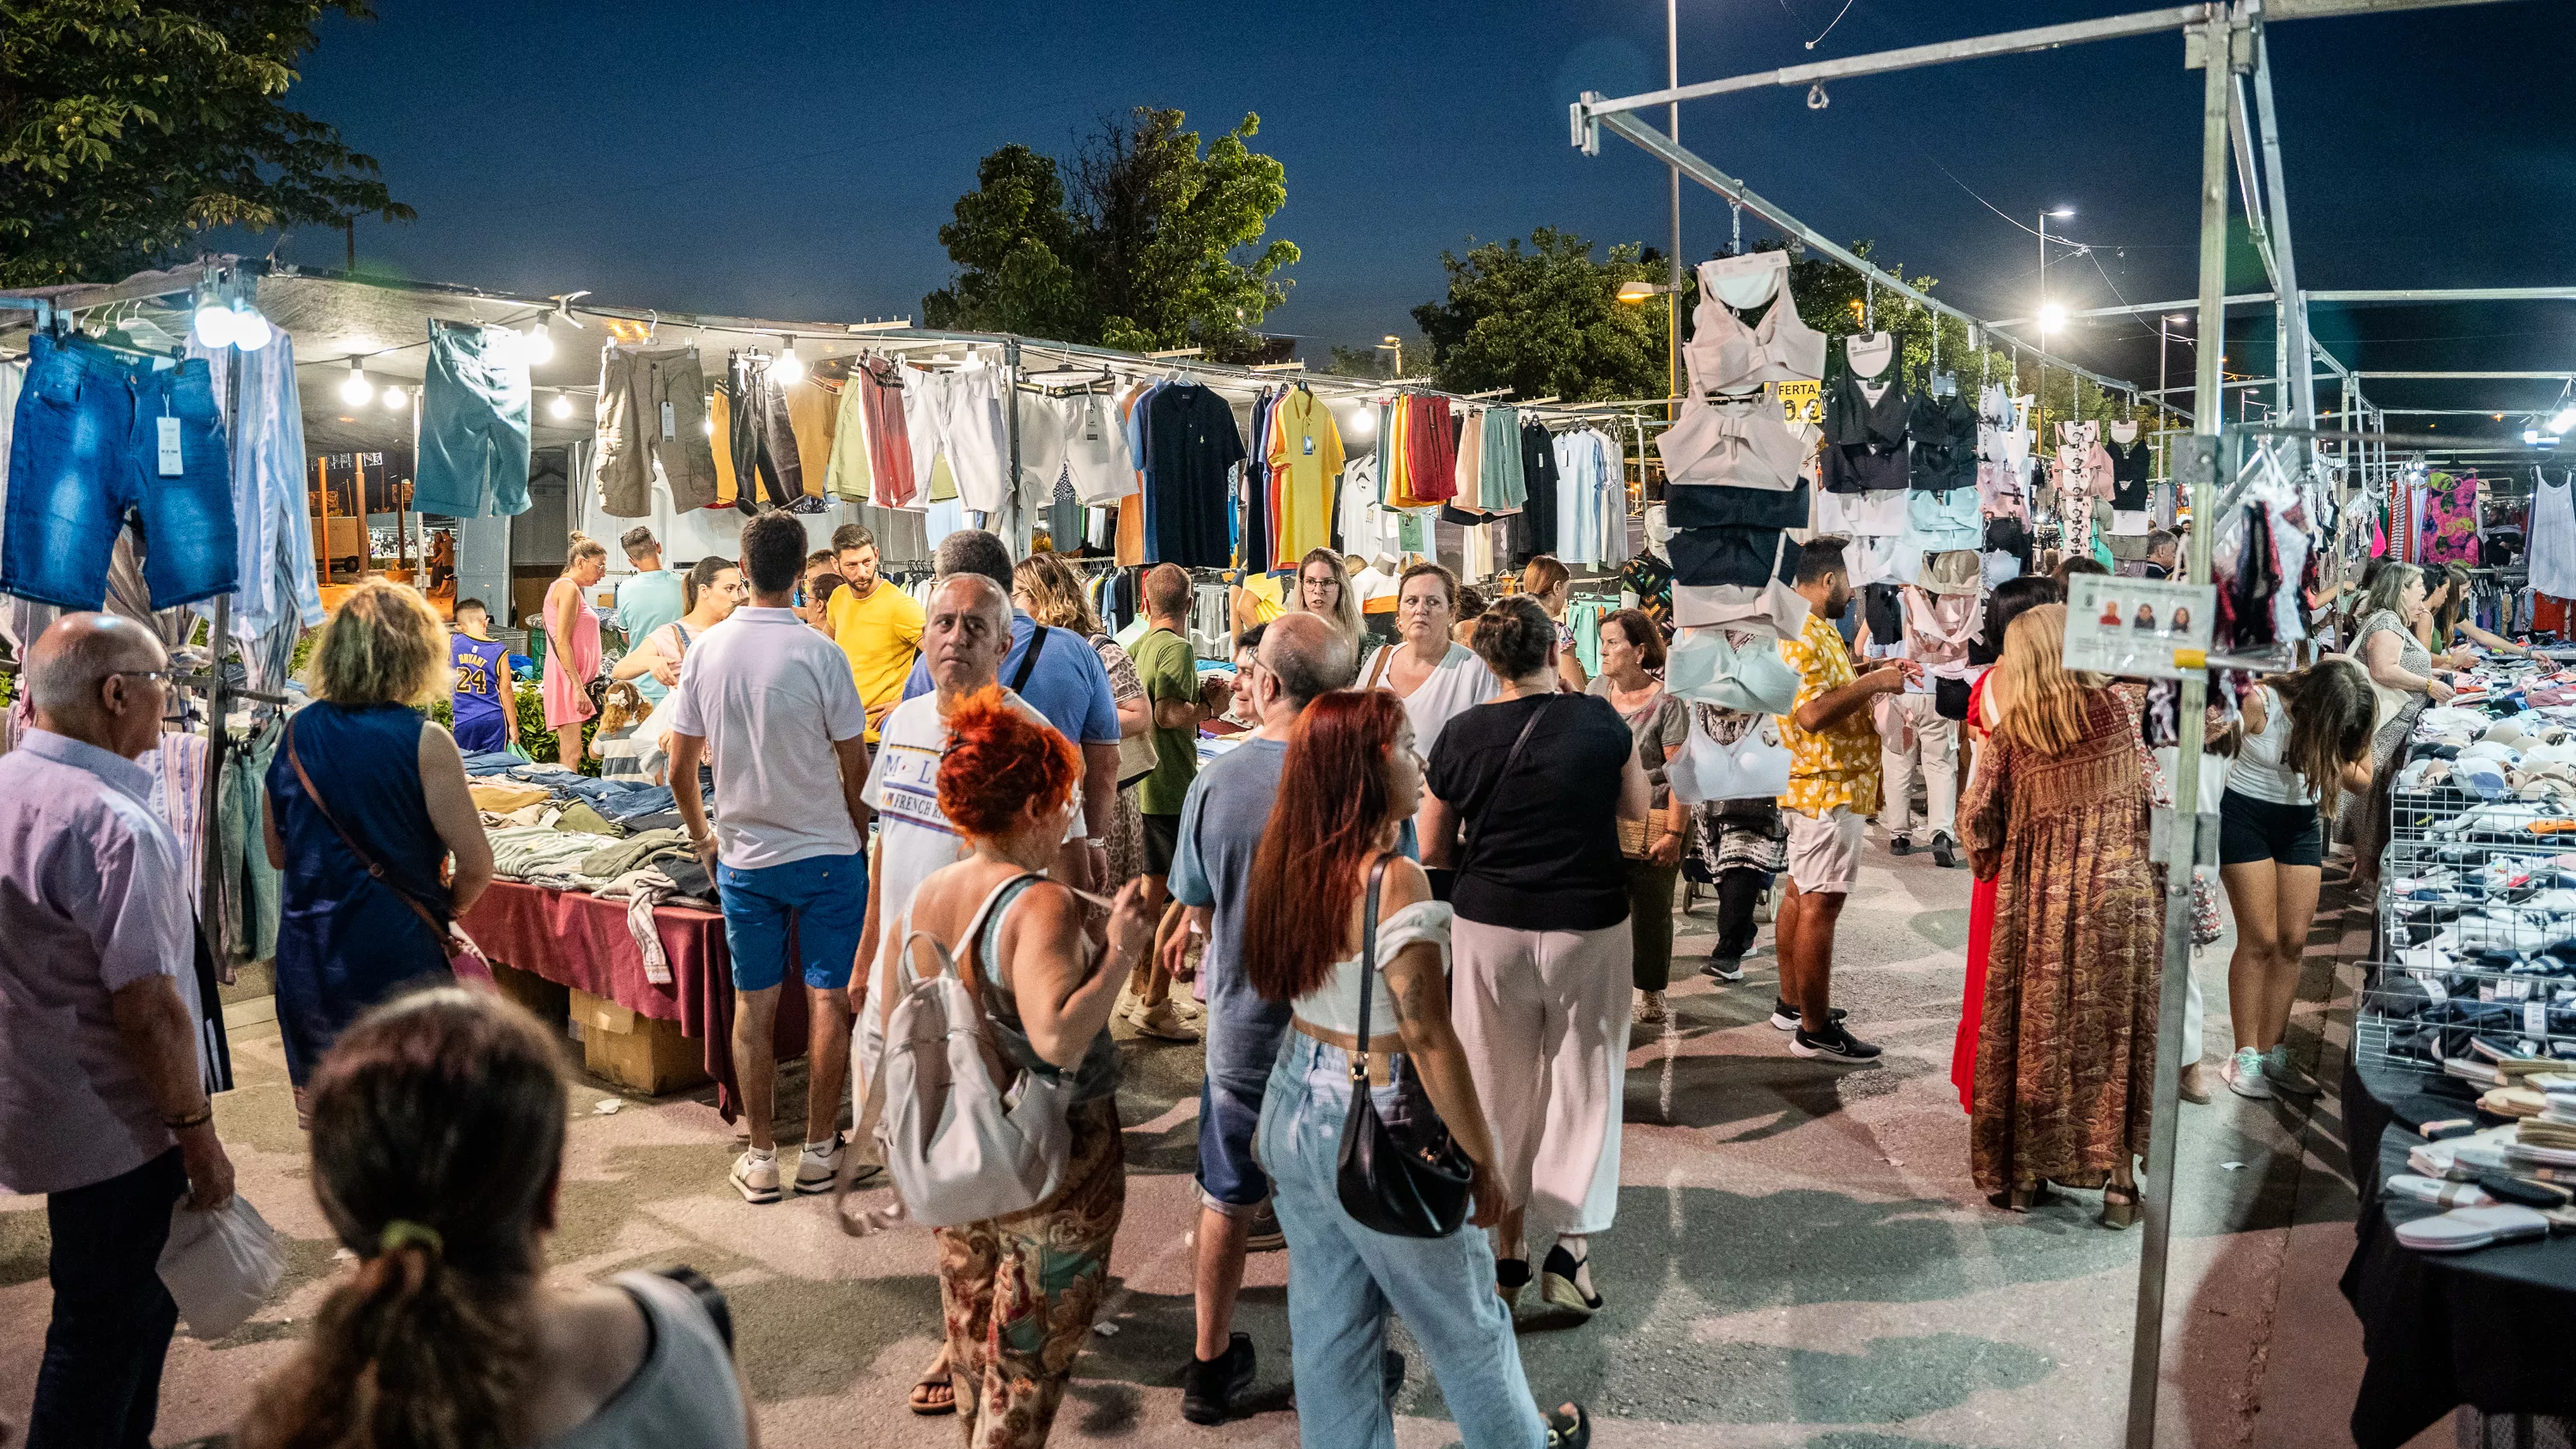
column 2244, row 1075
column 755, row 1175
column 1163, row 1021
column 816, row 1170
column 2286, row 1075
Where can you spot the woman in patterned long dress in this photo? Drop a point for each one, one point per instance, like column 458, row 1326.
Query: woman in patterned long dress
column 1048, row 588
column 2057, row 818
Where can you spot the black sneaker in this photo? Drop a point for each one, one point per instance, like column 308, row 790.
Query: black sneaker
column 1786, row 1018
column 1899, row 845
column 1945, row 851
column 1209, row 1387
column 1834, row 1042
column 1724, row 968
column 1264, row 1235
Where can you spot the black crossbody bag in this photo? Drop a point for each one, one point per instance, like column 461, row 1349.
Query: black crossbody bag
column 1403, row 1189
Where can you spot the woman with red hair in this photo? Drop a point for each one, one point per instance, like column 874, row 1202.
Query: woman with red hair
column 1019, row 1292
column 1327, row 870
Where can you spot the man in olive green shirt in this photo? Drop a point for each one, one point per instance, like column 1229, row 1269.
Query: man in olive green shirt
column 1169, row 670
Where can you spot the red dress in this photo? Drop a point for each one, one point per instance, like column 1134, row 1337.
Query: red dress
column 1981, row 930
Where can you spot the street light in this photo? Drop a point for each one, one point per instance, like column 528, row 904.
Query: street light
column 1394, row 344
column 1635, row 292
column 2039, row 420
column 2052, row 318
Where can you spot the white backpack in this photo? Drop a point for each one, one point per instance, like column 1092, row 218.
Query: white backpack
column 966, row 1135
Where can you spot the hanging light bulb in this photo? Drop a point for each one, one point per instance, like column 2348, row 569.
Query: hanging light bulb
column 538, row 345
column 356, row 391
column 789, row 368
column 395, row 399
column 214, row 322
column 561, row 407
column 2565, row 420
column 707, row 426
column 251, row 331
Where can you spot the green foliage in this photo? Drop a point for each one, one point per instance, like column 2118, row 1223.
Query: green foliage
column 1546, row 319
column 1142, row 241
column 127, row 129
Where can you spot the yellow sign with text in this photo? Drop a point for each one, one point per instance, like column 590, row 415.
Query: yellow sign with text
column 1802, row 402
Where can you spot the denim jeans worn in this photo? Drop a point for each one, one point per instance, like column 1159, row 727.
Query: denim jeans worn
column 101, row 1380
column 1344, row 1279
column 85, row 451
column 473, row 423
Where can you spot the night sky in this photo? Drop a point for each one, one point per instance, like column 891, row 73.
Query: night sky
column 796, row 162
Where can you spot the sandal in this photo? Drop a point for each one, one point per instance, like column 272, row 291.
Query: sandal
column 935, row 1393
column 1571, row 1431
column 2119, row 1207
column 2022, row 1198
column 1511, row 1275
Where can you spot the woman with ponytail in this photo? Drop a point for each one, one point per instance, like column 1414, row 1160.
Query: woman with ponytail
column 438, row 1128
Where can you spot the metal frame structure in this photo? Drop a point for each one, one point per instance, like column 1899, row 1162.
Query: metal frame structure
column 2239, row 132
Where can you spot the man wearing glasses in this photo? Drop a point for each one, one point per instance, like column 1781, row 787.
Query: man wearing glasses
column 109, row 1116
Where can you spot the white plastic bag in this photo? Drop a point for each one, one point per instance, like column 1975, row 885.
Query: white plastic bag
column 220, row 1265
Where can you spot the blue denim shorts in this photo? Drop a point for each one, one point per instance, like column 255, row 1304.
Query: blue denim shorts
column 811, row 910
column 473, row 424
column 86, row 452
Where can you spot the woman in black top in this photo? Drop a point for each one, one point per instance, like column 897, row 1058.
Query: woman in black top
column 1523, row 800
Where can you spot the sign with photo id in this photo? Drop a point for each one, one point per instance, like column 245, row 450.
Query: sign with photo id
column 2145, row 628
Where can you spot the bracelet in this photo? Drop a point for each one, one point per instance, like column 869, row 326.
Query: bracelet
column 198, row 1118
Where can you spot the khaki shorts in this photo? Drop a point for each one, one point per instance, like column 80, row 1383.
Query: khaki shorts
column 1824, row 854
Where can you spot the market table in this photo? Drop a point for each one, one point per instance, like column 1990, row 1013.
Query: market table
column 579, row 940
column 2482, row 1328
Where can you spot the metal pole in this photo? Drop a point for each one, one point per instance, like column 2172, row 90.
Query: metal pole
column 2200, row 469
column 2299, row 389
column 1673, row 293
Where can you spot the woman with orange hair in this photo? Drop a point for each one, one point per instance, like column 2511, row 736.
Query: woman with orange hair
column 1330, row 894
column 1019, row 1292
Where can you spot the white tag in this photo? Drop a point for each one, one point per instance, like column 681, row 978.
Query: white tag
column 1091, row 424
column 1310, row 447
column 169, row 447
column 670, row 423
column 2535, row 1018
column 2434, row 988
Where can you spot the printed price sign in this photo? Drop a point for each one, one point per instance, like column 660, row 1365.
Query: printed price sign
column 1802, row 402
column 2145, row 628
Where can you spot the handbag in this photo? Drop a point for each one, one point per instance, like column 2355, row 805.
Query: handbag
column 1403, row 1189
column 465, row 959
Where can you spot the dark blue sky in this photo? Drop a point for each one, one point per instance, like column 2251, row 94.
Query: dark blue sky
column 796, row 161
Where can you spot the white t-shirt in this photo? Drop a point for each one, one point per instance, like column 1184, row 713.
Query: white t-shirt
column 914, row 837
column 771, row 697
column 2261, row 773
column 1459, row 682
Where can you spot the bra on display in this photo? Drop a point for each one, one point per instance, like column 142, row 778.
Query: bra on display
column 1735, row 443
column 1944, row 433
column 1726, row 355
column 1865, row 440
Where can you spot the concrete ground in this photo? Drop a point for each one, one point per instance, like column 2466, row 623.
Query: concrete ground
column 1800, row 1258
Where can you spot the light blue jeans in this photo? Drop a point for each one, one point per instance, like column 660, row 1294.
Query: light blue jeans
column 1343, row 1279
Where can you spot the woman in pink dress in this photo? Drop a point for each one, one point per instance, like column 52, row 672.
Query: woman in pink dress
column 572, row 647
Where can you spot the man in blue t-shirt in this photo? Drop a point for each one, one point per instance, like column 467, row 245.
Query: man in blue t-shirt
column 1063, row 681
column 486, row 719
column 1301, row 657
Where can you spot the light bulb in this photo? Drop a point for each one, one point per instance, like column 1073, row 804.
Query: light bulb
column 355, row 390
column 789, row 368
column 538, row 345
column 214, row 324
column 2530, row 436
column 561, row 407
column 2565, row 420
column 395, row 399
column 707, row 426
column 251, row 331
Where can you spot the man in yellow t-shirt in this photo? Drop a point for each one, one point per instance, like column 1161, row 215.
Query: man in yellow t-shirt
column 876, row 624
column 1833, row 785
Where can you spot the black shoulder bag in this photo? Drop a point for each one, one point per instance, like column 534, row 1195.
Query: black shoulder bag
column 1473, row 831
column 1405, row 1190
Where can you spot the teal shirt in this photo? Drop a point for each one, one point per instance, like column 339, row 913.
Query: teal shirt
column 646, row 602
column 1168, row 669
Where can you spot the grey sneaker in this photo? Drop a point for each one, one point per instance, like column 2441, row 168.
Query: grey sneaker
column 2285, row 1075
column 755, row 1175
column 2243, row 1075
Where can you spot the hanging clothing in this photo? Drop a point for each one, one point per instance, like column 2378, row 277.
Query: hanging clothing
column 1191, row 444
column 473, row 452
column 1305, row 456
column 271, row 530
column 767, row 468
column 1725, row 354
column 2553, row 536
column 1864, row 437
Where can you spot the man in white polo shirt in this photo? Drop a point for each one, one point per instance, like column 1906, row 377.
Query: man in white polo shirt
column 772, row 699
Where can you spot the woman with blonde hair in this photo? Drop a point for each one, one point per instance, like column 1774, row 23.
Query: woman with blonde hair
column 1324, row 590
column 1547, row 579
column 366, row 802
column 2057, row 818
column 572, row 646
column 1049, row 591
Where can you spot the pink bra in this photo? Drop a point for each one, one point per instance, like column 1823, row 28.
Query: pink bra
column 1727, row 356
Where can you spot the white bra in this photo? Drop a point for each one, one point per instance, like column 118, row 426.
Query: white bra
column 1736, row 445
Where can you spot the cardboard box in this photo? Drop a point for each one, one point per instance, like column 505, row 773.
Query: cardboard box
column 634, row 1050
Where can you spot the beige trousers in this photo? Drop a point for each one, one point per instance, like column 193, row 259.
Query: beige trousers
column 1544, row 1018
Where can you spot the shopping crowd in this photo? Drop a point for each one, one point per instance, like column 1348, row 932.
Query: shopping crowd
column 1420, row 866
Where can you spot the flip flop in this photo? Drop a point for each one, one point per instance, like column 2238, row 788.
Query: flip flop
column 2463, row 1229
column 919, row 1403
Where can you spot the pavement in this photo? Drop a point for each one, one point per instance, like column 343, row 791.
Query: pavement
column 1800, row 1258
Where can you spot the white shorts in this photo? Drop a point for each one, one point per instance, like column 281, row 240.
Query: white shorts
column 1824, row 854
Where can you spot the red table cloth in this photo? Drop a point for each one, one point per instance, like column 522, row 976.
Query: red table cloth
column 577, row 939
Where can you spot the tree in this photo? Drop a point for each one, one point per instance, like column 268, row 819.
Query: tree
column 128, row 129
column 1547, row 319
column 1142, row 241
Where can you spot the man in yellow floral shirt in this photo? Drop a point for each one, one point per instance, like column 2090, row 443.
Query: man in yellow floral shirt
column 1833, row 787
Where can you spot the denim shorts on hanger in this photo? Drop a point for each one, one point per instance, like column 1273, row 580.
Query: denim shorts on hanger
column 86, row 454
column 473, row 424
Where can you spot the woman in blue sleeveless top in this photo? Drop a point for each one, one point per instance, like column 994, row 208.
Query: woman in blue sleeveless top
column 391, row 785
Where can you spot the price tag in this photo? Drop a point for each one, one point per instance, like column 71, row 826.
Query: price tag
column 2434, row 988
column 169, row 447
column 670, row 423
column 2535, row 1018
column 1310, row 445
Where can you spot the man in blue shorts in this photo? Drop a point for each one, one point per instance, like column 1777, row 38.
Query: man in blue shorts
column 771, row 697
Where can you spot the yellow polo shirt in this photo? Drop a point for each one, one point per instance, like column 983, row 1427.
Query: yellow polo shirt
column 880, row 633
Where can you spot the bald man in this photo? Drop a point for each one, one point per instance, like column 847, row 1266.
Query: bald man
column 108, row 1114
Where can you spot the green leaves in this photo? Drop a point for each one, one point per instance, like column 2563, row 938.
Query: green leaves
column 1140, row 241
column 1547, row 319
column 127, row 129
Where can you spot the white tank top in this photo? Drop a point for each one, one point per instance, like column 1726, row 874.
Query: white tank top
column 1335, row 1006
column 2260, row 773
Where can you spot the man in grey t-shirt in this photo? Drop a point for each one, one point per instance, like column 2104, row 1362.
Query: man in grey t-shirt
column 1301, row 657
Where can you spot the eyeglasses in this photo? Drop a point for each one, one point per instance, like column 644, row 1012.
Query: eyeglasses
column 165, row 676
